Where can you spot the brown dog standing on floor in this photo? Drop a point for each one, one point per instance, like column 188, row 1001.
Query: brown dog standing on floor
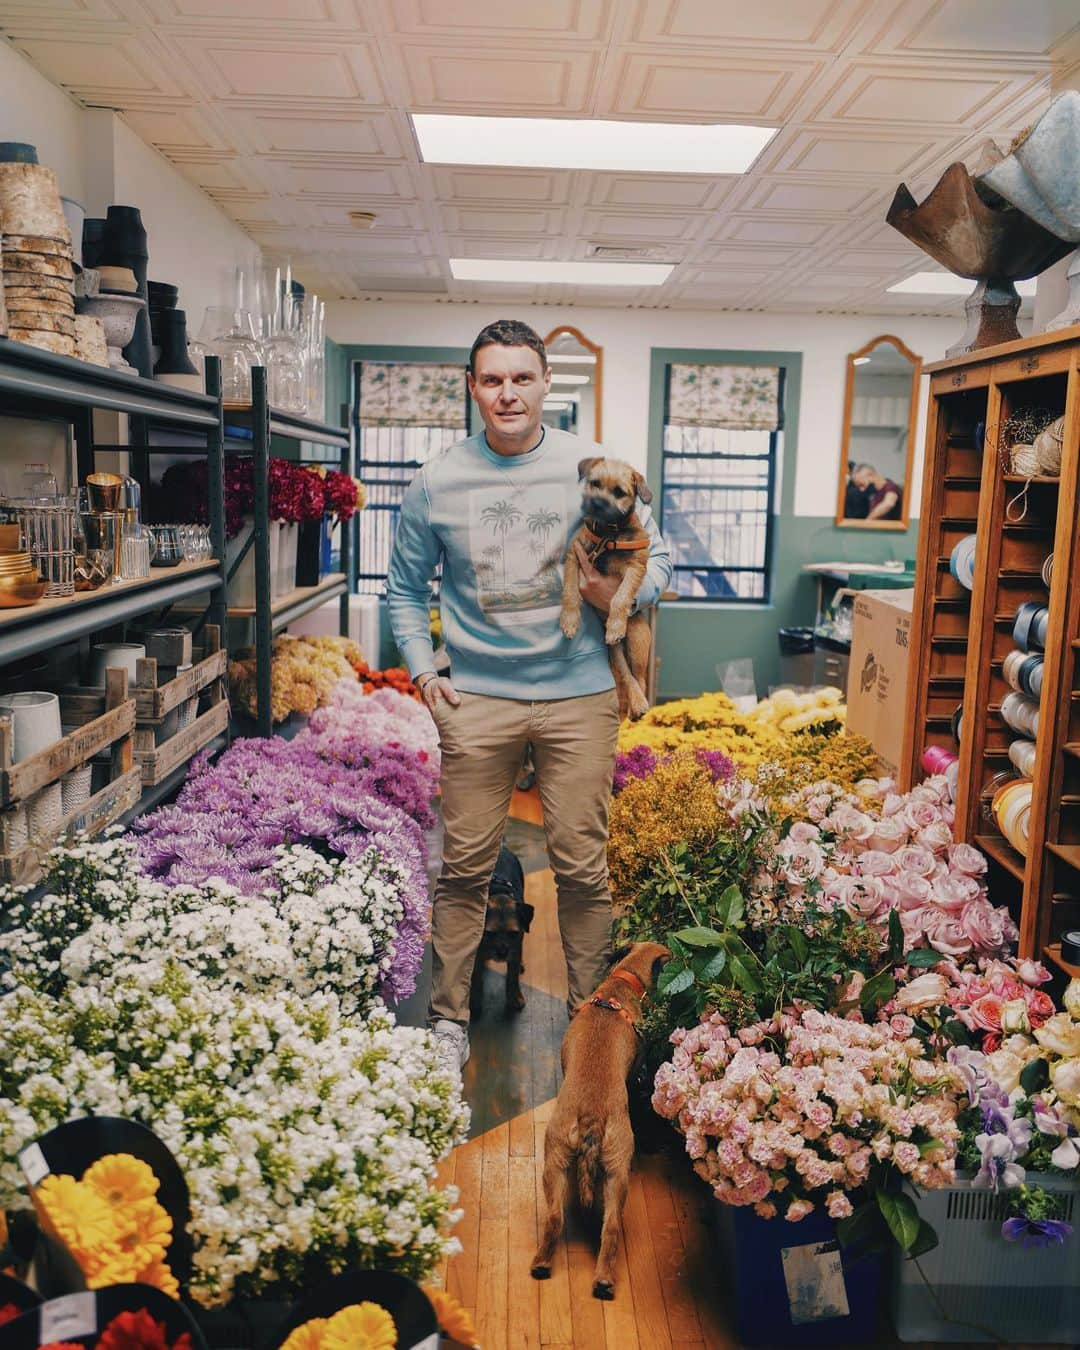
column 617, row 545
column 589, row 1134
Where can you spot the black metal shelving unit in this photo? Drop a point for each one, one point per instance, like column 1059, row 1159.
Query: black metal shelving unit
column 264, row 422
column 39, row 386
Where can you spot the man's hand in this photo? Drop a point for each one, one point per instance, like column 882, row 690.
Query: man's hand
column 436, row 688
column 596, row 589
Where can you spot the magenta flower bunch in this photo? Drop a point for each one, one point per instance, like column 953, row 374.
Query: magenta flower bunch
column 641, row 762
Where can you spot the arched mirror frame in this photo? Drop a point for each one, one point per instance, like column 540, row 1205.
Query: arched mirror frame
column 842, row 521
column 598, row 381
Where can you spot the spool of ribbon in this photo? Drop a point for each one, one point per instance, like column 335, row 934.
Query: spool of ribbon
column 962, row 561
column 1048, row 571
column 1031, row 675
column 1029, row 626
column 1070, row 946
column 1012, row 811
column 1010, row 668
column 1022, row 757
column 935, row 759
column 958, row 722
column 1021, row 714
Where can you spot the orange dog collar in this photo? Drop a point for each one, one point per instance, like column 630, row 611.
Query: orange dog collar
column 628, row 977
column 613, row 1005
column 610, row 543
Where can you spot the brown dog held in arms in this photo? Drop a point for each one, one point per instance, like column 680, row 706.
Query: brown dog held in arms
column 589, row 1134
column 617, row 545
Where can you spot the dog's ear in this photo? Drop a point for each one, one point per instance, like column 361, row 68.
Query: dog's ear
column 643, row 490
column 584, row 465
column 657, row 966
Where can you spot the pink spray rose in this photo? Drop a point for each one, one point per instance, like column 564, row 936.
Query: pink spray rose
column 915, row 858
column 936, row 837
column 963, row 858
column 947, row 935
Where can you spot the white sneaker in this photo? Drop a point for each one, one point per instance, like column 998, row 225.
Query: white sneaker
column 451, row 1046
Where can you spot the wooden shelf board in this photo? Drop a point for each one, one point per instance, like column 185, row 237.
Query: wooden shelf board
column 1002, row 853
column 1072, row 748
column 962, row 479
column 1068, row 853
column 10, row 618
column 1019, row 346
column 1038, row 478
column 1053, row 953
column 290, row 598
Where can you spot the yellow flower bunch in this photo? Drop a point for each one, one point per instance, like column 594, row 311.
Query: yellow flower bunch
column 111, row 1222
column 302, row 674
column 675, row 804
column 360, row 1326
column 361, row 494
column 452, row 1318
column 808, row 757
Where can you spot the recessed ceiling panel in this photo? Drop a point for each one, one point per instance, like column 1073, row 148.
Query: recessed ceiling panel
column 557, row 20
column 501, row 82
column 763, row 23
column 717, row 90
column 500, row 185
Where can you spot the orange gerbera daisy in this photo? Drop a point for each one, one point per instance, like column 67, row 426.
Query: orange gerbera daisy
column 361, row 1326
column 452, row 1318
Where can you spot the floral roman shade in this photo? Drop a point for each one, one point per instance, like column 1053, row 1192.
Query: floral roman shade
column 742, row 398
column 411, row 394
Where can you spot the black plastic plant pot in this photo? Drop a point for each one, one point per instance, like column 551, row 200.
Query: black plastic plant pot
column 414, row 1317
column 14, row 1293
column 71, row 1148
column 309, row 553
column 63, row 1317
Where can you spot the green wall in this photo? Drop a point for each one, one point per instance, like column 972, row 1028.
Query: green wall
column 695, row 637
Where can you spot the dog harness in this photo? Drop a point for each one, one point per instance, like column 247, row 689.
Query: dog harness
column 611, row 543
column 613, row 1004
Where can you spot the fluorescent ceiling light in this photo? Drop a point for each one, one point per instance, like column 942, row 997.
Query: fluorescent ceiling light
column 562, row 143
column 560, row 273
column 944, row 283
column 569, row 358
column 558, row 378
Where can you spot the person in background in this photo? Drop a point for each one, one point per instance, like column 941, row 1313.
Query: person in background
column 497, row 512
column 885, row 496
column 856, row 501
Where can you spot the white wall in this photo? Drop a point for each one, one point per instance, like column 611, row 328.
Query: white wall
column 628, row 336
column 98, row 159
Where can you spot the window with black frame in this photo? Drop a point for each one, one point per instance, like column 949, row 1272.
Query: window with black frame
column 406, row 413
column 721, row 431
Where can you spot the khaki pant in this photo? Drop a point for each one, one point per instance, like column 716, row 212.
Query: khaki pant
column 483, row 742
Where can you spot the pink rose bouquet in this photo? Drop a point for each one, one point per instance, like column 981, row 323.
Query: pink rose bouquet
column 806, row 1109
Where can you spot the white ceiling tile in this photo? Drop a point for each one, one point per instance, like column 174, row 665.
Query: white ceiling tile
column 550, row 20
column 261, row 12
column 893, row 96
column 807, row 199
column 819, row 150
column 638, row 225
column 386, row 181
column 490, row 220
column 693, row 193
column 258, row 68
column 757, row 230
column 178, row 130
column 733, row 254
column 808, row 23
column 501, row 185
column 502, row 81
column 350, row 132
column 994, row 27
column 716, row 89
column 84, row 64
column 483, row 246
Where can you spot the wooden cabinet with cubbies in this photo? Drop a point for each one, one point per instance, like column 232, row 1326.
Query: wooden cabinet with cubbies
column 1020, row 520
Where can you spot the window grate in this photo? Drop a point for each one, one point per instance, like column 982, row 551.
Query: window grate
column 388, row 458
column 717, row 493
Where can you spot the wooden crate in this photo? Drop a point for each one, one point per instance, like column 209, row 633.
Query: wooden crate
column 158, row 761
column 112, row 729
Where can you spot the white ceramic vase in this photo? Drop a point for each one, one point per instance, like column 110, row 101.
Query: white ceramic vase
column 114, row 656
column 35, row 718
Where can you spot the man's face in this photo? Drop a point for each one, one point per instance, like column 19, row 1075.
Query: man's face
column 509, row 386
column 862, row 478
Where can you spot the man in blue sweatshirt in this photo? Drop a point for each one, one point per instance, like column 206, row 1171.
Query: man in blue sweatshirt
column 498, row 511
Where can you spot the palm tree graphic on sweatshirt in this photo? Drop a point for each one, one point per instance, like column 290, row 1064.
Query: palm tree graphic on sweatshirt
column 517, row 541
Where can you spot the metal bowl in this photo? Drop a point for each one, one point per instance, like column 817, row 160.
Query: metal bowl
column 20, row 591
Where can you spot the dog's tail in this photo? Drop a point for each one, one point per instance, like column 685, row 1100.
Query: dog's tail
column 589, row 1156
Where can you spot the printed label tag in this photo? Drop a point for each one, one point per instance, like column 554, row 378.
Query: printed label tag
column 815, row 1282
column 62, row 1319
column 35, row 1168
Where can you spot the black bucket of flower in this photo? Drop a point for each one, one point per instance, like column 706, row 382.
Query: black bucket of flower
column 16, row 1298
column 117, row 1318
column 72, row 1149
column 402, row 1299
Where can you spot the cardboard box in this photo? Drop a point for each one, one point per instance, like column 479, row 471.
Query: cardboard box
column 878, row 673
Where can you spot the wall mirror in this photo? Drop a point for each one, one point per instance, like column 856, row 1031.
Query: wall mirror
column 577, row 383
column 881, row 408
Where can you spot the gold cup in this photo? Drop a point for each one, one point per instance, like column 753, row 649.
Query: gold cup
column 104, row 490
